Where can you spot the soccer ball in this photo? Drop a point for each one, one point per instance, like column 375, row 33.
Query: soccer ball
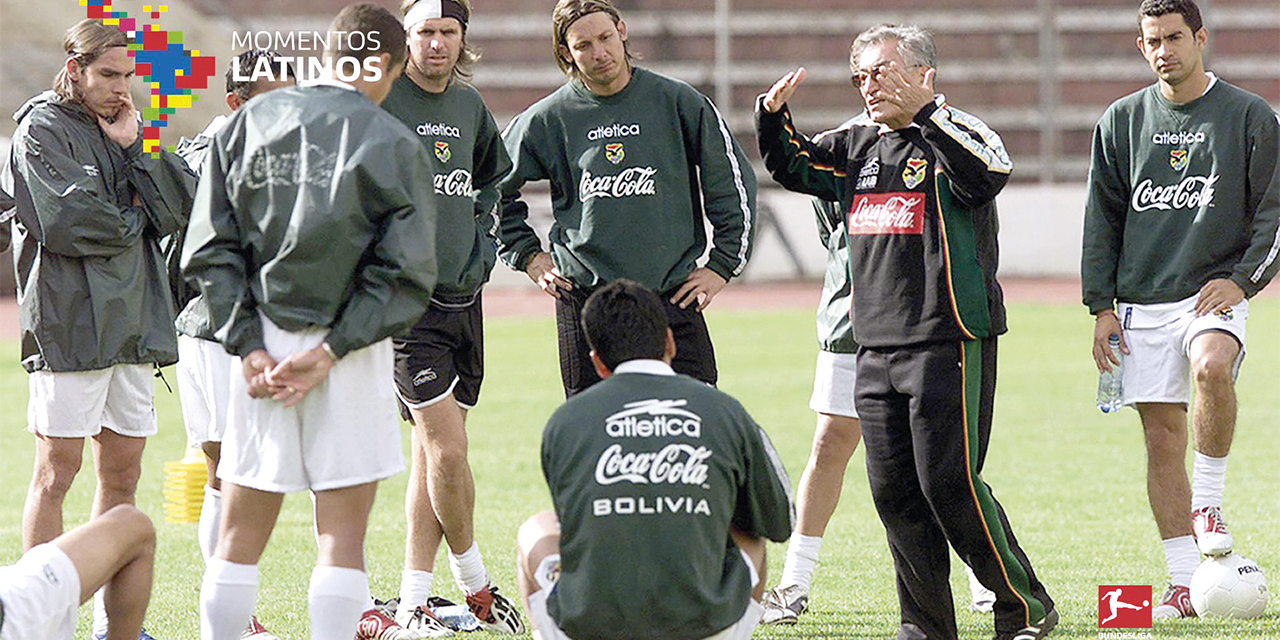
column 1231, row 586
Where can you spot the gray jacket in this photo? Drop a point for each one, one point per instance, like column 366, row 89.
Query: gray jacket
column 92, row 287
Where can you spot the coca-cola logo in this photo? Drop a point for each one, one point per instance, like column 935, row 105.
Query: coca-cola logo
column 886, row 213
column 456, row 183
column 677, row 464
column 1193, row 192
column 632, row 181
column 654, row 419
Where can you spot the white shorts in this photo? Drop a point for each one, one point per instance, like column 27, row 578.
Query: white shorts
column 41, row 595
column 549, row 571
column 78, row 404
column 833, row 384
column 344, row 433
column 204, row 387
column 1159, row 337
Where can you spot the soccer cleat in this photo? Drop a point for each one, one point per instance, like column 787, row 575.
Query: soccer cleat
column 1039, row 629
column 494, row 611
column 1175, row 604
column 375, row 624
column 783, row 605
column 1210, row 530
column 255, row 631
column 424, row 623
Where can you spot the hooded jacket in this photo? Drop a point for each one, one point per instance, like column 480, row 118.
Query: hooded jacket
column 92, row 287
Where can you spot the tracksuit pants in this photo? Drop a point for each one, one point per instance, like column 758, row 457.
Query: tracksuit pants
column 926, row 419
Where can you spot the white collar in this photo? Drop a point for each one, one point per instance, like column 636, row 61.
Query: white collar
column 328, row 82
column 215, row 125
column 651, row 367
column 1212, row 81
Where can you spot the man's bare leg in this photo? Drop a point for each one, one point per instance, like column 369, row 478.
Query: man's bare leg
column 424, row 529
column 116, row 550
column 339, row 591
column 1213, row 356
column 57, row 461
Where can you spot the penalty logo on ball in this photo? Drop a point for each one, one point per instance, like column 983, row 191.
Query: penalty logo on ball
column 1231, row 586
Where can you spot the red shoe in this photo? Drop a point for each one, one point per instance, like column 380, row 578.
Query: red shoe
column 494, row 611
column 255, row 631
column 1210, row 530
column 376, row 625
column 1176, row 604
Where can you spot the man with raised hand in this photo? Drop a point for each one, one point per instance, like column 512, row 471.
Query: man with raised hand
column 95, row 310
column 633, row 158
column 440, row 360
column 1182, row 226
column 313, row 242
column 918, row 185
column 664, row 489
column 204, row 368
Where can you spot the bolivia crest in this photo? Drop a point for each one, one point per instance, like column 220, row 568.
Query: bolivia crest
column 1178, row 159
column 614, row 152
column 443, row 152
column 915, row 172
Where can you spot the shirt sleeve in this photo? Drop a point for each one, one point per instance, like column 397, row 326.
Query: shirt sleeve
column 491, row 165
column 728, row 190
column 829, row 216
column 971, row 154
column 1105, row 210
column 764, row 507
column 1262, row 259
column 516, row 239
column 68, row 212
column 796, row 162
column 165, row 185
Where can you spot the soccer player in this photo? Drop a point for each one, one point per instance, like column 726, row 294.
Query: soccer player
column 114, row 553
column 838, row 430
column 633, row 157
column 919, row 186
column 96, row 314
column 664, row 491
column 1180, row 230
column 313, row 241
column 204, row 368
column 440, row 361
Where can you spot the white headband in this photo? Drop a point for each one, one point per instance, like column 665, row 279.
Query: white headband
column 428, row 9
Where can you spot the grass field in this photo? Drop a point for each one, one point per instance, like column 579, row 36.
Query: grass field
column 1071, row 479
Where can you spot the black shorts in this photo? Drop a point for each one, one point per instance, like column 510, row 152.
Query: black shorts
column 695, row 355
column 442, row 354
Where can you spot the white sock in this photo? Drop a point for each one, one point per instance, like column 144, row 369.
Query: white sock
column 802, row 559
column 337, row 596
column 99, row 613
column 1208, row 477
column 210, row 519
column 415, row 588
column 227, row 597
column 468, row 570
column 1182, row 557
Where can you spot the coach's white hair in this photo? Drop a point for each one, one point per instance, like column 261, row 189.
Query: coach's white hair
column 915, row 44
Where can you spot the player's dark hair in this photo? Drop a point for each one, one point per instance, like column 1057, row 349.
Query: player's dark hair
column 469, row 54
column 568, row 12
column 624, row 320
column 1186, row 8
column 85, row 42
column 382, row 31
column 246, row 62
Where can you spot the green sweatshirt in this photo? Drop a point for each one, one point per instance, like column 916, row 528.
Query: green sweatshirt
column 315, row 208
column 467, row 160
column 647, row 471
column 1180, row 194
column 630, row 174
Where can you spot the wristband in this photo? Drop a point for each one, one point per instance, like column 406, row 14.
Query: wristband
column 328, row 350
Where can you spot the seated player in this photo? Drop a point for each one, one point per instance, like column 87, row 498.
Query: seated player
column 40, row 595
column 663, row 487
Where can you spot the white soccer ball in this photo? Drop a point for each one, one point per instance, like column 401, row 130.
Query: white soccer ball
column 1230, row 586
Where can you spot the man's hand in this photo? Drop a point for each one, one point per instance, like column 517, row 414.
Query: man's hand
column 781, row 91
column 255, row 366
column 1106, row 325
column 298, row 374
column 122, row 128
column 1218, row 294
column 543, row 272
column 701, row 286
column 897, row 89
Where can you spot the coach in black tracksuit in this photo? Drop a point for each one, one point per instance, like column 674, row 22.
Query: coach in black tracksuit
column 918, row 188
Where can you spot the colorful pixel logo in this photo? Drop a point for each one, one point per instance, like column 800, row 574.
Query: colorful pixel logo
column 161, row 61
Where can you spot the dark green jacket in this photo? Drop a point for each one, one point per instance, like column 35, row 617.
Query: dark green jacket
column 315, row 208
column 630, row 174
column 1180, row 194
column 467, row 159
column 93, row 291
column 193, row 316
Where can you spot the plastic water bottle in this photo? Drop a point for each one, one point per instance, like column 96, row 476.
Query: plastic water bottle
column 1111, row 383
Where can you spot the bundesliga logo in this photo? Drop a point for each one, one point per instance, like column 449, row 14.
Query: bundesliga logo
column 1124, row 606
column 613, row 131
column 1178, row 137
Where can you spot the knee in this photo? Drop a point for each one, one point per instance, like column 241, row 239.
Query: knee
column 119, row 478
column 135, row 526
column 1165, row 434
column 1212, row 369
column 836, row 439
column 537, row 528
column 55, row 472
